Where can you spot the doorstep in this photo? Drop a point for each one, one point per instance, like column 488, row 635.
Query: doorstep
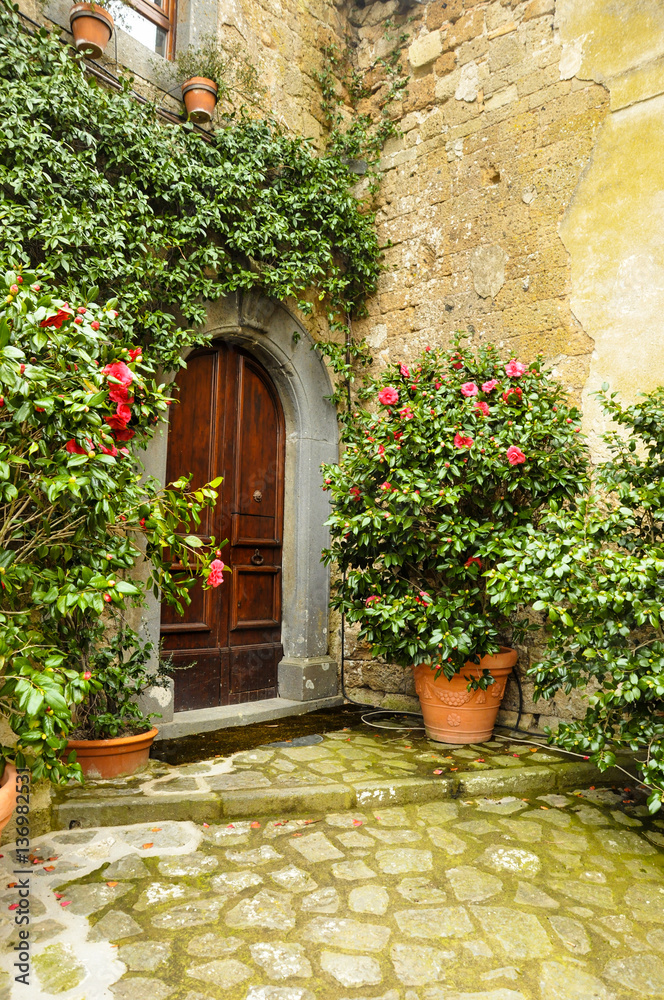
column 205, row 720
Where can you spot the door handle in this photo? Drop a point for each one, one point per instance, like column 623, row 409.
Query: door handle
column 257, row 558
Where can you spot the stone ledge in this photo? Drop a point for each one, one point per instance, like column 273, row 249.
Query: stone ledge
column 205, row 720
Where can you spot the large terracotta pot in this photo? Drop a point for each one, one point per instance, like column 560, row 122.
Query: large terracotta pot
column 92, row 27
column 112, row 758
column 452, row 713
column 200, row 96
column 7, row 795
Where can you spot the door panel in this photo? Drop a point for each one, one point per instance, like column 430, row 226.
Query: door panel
column 229, row 423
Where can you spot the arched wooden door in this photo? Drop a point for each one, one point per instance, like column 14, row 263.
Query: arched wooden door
column 229, row 422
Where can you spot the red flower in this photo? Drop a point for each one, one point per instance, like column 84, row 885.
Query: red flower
column 469, row 389
column 74, row 449
column 119, row 371
column 57, row 320
column 108, row 451
column 355, row 492
column 456, row 361
column 461, row 441
column 422, row 599
column 482, row 407
column 14, row 289
column 388, row 396
column 514, row 390
column 95, row 324
column 135, row 352
column 78, row 320
column 381, row 450
column 216, row 575
column 81, row 310
column 386, row 487
column 87, row 675
column 515, row 456
column 438, row 385
column 119, row 420
column 124, row 435
column 406, row 413
column 405, row 372
column 2, row 401
column 515, row 368
column 108, row 598
column 20, row 280
column 473, row 559
column 120, row 394
column 21, row 368
column 369, row 600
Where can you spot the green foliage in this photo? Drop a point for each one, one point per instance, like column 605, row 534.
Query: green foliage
column 596, row 575
column 207, row 59
column 98, row 192
column 425, row 499
column 75, row 514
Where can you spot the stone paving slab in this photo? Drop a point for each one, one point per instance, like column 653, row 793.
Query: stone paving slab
column 346, row 769
column 543, row 897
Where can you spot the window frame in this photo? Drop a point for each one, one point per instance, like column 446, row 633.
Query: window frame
column 164, row 17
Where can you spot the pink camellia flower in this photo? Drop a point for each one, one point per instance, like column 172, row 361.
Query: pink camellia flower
column 462, row 441
column 490, row 385
column 385, row 486
column 406, row 413
column 438, row 385
column 473, row 559
column 135, row 352
column 57, row 320
column 388, row 396
column 120, row 394
column 75, row 449
column 355, row 492
column 369, row 601
column 423, row 598
column 119, row 371
column 216, row 575
column 482, row 407
column 514, row 391
column 515, row 368
column 515, row 456
column 469, row 389
column 405, row 371
column 119, row 420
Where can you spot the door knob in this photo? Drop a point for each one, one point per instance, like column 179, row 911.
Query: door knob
column 258, row 496
column 257, row 558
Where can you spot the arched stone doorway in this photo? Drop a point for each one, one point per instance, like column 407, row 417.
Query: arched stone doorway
column 266, row 331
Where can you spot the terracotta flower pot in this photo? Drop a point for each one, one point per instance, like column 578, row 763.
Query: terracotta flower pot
column 200, row 96
column 92, row 27
column 112, row 758
column 452, row 713
column 7, row 795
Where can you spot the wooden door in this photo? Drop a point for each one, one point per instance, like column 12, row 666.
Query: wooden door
column 229, row 423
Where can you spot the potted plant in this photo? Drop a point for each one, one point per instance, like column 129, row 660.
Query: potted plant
column 594, row 578
column 92, row 27
column 76, row 515
column 455, row 456
column 202, row 68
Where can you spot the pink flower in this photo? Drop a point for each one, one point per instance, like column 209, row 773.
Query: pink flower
column 456, row 361
column 438, row 385
column 386, row 487
column 482, row 407
column 135, row 352
column 369, row 600
column 355, row 492
column 405, row 372
column 514, row 390
column 381, row 450
column 81, row 310
column 119, row 371
column 406, row 413
column 515, row 456
column 216, row 575
column 490, row 385
column 515, row 368
column 469, row 389
column 120, row 394
column 74, row 449
column 473, row 559
column 388, row 396
column 461, row 441
column 424, row 598
column 14, row 289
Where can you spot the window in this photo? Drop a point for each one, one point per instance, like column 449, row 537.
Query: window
column 148, row 22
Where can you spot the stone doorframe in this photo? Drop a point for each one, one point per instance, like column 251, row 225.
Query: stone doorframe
column 265, row 329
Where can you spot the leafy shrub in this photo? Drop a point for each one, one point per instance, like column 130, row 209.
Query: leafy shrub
column 76, row 516
column 453, row 460
column 596, row 574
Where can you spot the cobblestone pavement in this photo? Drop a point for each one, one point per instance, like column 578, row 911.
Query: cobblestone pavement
column 556, row 897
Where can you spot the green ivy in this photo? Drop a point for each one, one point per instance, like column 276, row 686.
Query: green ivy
column 98, row 192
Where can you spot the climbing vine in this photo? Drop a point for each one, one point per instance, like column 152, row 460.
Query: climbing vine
column 98, row 192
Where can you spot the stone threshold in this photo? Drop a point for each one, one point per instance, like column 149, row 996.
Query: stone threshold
column 205, row 720
column 277, row 801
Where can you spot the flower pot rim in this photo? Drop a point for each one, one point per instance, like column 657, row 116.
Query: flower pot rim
column 86, row 9
column 469, row 665
column 113, row 741
column 200, row 83
column 7, row 773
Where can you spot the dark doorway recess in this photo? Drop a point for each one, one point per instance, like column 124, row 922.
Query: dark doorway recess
column 229, row 422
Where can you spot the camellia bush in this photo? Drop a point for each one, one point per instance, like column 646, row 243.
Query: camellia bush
column 453, row 458
column 596, row 575
column 76, row 515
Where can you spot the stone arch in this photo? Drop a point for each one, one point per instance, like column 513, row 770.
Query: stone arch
column 265, row 329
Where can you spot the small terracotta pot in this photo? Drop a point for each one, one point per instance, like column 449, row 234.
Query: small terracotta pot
column 200, row 96
column 112, row 758
column 7, row 795
column 92, row 27
column 452, row 713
